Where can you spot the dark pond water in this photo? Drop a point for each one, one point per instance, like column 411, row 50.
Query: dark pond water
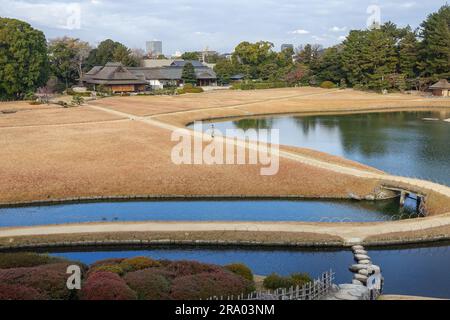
column 414, row 144
column 249, row 210
column 416, row 271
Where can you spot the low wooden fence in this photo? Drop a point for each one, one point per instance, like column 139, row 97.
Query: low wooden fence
column 314, row 290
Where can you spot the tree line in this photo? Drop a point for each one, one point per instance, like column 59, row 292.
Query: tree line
column 382, row 58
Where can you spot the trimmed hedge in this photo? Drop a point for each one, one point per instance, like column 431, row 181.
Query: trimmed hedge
column 189, row 268
column 259, row 85
column 275, row 281
column 49, row 279
column 107, row 262
column 206, row 285
column 138, row 263
column 106, row 286
column 327, row 85
column 20, row 292
column 150, row 284
column 300, row 279
column 25, row 260
column 114, row 268
column 241, row 270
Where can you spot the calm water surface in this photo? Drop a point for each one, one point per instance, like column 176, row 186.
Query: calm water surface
column 415, row 144
column 249, row 210
column 417, row 271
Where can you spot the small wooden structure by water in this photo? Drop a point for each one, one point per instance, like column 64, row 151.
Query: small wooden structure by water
column 441, row 88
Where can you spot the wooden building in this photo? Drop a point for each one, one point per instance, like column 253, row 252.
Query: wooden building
column 136, row 79
column 441, row 88
column 115, row 77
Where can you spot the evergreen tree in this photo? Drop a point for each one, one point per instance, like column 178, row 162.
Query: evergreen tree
column 188, row 74
column 329, row 66
column 435, row 46
column 408, row 54
column 23, row 59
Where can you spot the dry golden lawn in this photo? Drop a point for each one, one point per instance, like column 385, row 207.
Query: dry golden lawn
column 54, row 116
column 23, row 105
column 57, row 153
column 132, row 158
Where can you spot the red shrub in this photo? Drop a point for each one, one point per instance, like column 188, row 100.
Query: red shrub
column 150, row 284
column 106, row 286
column 206, row 285
column 20, row 292
column 106, row 262
column 189, row 268
column 48, row 279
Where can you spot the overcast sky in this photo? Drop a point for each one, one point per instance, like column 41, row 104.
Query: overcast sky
column 220, row 25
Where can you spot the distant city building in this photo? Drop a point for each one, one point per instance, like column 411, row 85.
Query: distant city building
column 154, row 48
column 287, row 46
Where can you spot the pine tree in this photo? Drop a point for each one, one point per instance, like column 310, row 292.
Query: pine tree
column 408, row 54
column 435, row 47
column 188, row 74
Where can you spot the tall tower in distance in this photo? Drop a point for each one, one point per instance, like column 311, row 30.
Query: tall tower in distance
column 154, row 48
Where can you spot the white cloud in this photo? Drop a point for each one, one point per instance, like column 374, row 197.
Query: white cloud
column 337, row 29
column 299, row 31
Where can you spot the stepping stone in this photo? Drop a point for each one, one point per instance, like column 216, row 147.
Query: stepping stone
column 356, row 267
column 358, row 247
column 361, row 252
column 366, row 262
column 364, row 272
column 360, row 277
column 361, row 257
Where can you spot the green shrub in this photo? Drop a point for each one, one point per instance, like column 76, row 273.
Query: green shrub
column 327, row 85
column 138, row 263
column 104, row 89
column 188, row 86
column 300, row 279
column 275, row 281
column 193, row 90
column 241, row 270
column 30, row 96
column 77, row 100
column 150, row 284
column 114, row 268
column 25, row 260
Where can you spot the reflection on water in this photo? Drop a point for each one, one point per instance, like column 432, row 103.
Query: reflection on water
column 416, row 271
column 401, row 143
column 242, row 210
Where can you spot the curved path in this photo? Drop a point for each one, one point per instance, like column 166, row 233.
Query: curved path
column 351, row 233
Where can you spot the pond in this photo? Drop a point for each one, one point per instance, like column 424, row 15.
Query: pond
column 226, row 210
column 409, row 271
column 414, row 144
